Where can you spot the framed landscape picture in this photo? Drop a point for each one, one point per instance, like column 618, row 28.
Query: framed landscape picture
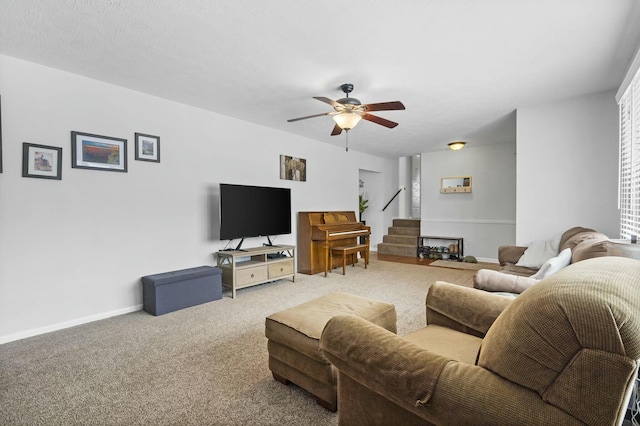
column 41, row 161
column 147, row 147
column 98, row 152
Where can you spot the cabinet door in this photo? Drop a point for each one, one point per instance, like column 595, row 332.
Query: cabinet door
column 280, row 269
column 251, row 275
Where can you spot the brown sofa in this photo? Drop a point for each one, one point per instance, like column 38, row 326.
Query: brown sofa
column 584, row 243
column 565, row 352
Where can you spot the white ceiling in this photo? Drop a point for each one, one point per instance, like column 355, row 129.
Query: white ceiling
column 461, row 67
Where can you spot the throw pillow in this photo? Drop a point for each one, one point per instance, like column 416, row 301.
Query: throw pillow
column 539, row 252
column 553, row 265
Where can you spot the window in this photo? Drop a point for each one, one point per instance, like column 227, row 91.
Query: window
column 629, row 178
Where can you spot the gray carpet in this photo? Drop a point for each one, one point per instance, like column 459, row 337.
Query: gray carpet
column 206, row 365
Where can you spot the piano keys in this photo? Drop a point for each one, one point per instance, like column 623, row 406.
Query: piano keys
column 319, row 231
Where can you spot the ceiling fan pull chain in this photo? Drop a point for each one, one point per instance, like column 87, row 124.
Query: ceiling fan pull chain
column 347, row 145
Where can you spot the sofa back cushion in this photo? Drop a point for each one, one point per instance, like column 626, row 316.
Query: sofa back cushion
column 570, row 233
column 574, row 338
column 589, row 248
column 580, row 237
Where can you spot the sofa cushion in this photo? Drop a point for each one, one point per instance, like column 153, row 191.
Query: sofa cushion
column 570, row 233
column 449, row 343
column 309, row 318
column 580, row 237
column 553, row 265
column 593, row 247
column 511, row 268
column 539, row 252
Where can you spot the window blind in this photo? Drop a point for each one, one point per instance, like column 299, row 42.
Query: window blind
column 629, row 177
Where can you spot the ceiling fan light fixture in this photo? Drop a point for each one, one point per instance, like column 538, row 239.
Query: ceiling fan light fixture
column 347, row 120
column 457, row 146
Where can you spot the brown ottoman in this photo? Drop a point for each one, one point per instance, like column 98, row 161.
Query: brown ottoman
column 294, row 334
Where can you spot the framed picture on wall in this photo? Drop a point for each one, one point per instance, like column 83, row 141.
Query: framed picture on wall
column 292, row 168
column 147, row 147
column 41, row 161
column 98, row 152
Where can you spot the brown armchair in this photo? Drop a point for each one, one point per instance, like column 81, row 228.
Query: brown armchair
column 565, row 352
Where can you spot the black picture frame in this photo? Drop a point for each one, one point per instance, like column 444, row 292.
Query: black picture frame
column 147, row 147
column 41, row 161
column 98, row 152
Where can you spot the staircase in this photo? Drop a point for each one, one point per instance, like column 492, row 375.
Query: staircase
column 402, row 239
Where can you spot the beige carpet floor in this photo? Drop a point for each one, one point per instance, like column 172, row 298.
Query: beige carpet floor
column 206, row 365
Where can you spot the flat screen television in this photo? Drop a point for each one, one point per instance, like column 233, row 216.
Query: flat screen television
column 252, row 211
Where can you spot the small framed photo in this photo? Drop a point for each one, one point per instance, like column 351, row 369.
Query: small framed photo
column 41, row 161
column 293, row 168
column 97, row 152
column 147, row 147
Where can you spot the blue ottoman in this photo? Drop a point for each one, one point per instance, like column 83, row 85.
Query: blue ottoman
column 171, row 291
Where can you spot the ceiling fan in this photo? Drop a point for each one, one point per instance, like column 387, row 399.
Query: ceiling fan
column 349, row 111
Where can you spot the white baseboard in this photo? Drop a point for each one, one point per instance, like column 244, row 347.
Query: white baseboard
column 487, row 260
column 67, row 324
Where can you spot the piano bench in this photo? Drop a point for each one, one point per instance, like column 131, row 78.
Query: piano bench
column 347, row 251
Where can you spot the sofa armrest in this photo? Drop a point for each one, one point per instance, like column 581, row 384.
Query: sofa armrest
column 490, row 280
column 365, row 351
column 510, row 254
column 429, row 386
column 464, row 309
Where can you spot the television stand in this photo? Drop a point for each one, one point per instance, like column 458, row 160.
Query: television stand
column 258, row 265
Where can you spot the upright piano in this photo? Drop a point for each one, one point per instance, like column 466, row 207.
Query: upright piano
column 318, row 231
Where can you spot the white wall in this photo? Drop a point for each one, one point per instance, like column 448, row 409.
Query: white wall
column 404, row 179
column 372, row 191
column 74, row 250
column 485, row 218
column 567, row 167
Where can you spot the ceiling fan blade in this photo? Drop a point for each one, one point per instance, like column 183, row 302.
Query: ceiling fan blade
column 384, row 106
column 309, row 116
column 379, row 120
column 336, row 130
column 328, row 101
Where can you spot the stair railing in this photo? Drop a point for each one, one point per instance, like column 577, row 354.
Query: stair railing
column 392, row 198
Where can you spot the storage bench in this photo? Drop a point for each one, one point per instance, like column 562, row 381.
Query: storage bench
column 171, row 291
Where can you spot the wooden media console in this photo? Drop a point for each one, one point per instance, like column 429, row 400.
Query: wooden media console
column 253, row 266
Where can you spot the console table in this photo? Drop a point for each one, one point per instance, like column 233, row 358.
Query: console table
column 424, row 250
column 253, row 266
